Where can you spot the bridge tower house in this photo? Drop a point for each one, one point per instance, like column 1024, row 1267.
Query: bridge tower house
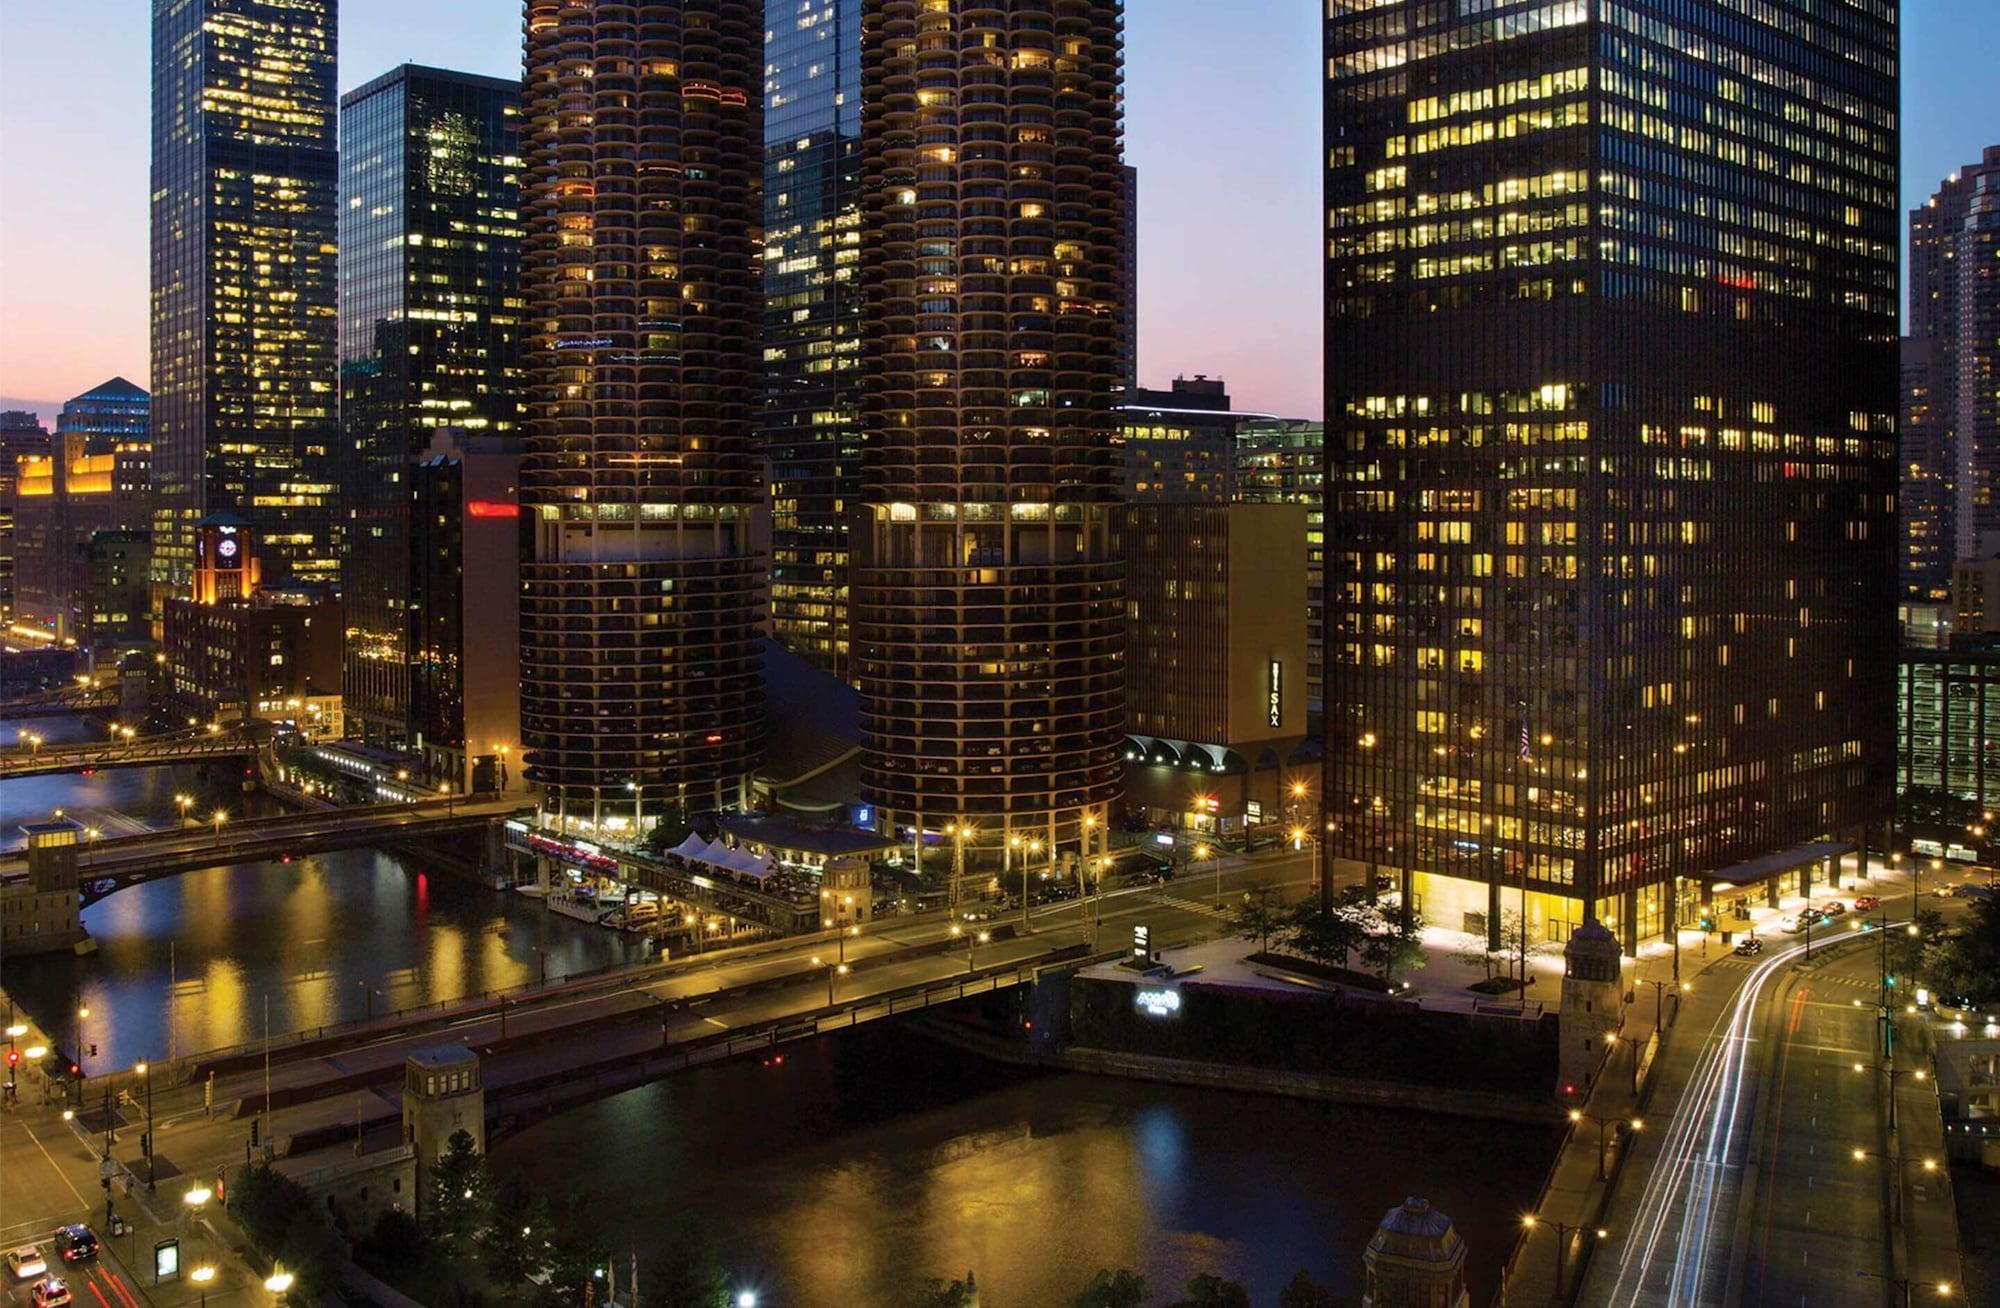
column 40, row 913
column 1593, row 997
column 442, row 1095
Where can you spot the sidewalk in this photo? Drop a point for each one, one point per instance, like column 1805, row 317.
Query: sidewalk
column 1927, row 1247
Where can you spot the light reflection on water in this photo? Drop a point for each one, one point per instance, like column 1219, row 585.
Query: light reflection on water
column 873, row 1161
column 326, row 937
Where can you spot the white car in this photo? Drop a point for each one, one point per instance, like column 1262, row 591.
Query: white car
column 26, row 1263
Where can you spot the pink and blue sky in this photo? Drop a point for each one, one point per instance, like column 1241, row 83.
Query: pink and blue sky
column 1222, row 119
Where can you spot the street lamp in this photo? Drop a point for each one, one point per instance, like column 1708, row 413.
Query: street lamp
column 201, row 1276
column 1907, row 1284
column 1899, row 1162
column 1203, row 852
column 219, row 817
column 1578, row 1115
column 638, row 806
column 1894, row 1072
column 145, row 1074
column 279, row 1280
column 1563, row 1232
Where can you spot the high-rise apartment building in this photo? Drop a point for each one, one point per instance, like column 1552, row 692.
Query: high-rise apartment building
column 987, row 623
column 243, row 247
column 1611, row 392
column 642, row 568
column 812, row 312
column 21, row 436
column 430, row 313
column 1951, row 408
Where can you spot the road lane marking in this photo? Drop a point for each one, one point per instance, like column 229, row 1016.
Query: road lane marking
column 81, row 1201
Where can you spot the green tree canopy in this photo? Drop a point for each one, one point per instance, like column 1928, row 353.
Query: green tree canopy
column 1109, row 1289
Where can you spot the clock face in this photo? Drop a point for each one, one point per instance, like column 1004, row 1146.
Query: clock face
column 227, row 549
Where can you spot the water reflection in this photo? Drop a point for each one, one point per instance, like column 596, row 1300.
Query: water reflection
column 873, row 1161
column 185, row 963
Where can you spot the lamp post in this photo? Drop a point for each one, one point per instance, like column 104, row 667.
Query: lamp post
column 1203, row 853
column 1892, row 1072
column 959, row 831
column 1578, row 1115
column 1899, row 1162
column 638, row 806
column 82, row 1015
column 1034, row 854
column 1659, row 989
column 832, row 971
column 219, row 817
column 145, row 1074
column 1906, row 1285
column 184, row 802
column 201, row 1276
column 1563, row 1232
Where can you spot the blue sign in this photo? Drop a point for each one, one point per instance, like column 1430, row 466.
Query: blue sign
column 864, row 817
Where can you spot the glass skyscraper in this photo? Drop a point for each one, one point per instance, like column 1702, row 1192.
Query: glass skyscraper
column 243, row 249
column 812, row 304
column 1611, row 395
column 430, row 312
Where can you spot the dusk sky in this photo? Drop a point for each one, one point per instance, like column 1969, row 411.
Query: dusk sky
column 1222, row 118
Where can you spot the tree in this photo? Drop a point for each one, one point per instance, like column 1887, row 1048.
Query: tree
column 688, row 1272
column 1109, row 1289
column 1207, row 1291
column 1512, row 945
column 394, row 1246
column 1964, row 966
column 1329, row 938
column 515, row 1244
column 576, row 1250
column 454, row 1209
column 1257, row 916
column 1302, row 1291
column 950, row 1294
column 1390, row 948
column 264, row 1201
column 311, row 1251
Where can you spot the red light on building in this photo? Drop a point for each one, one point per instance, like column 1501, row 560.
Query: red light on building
column 713, row 738
column 491, row 509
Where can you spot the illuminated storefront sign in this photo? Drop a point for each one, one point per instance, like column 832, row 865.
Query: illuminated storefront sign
column 1158, row 1003
column 1276, row 698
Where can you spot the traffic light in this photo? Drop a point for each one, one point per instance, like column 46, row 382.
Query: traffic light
column 255, row 1123
column 146, row 1143
column 1707, row 923
column 93, row 1050
column 13, row 1058
column 1889, row 981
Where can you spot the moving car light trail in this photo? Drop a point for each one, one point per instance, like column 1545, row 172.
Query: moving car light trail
column 1687, row 1209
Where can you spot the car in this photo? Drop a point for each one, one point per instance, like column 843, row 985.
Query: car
column 52, row 1293
column 26, row 1263
column 1750, row 947
column 1967, row 890
column 1832, row 908
column 1867, row 903
column 75, row 1243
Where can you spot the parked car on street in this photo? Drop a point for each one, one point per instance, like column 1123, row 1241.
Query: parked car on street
column 1749, row 947
column 26, row 1263
column 1832, row 908
column 1867, row 903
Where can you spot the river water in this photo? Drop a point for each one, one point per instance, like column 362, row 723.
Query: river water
column 187, row 962
column 850, row 1174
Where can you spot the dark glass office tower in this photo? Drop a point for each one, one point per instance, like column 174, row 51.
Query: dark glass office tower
column 812, row 307
column 641, row 580
column 1611, row 393
column 243, row 365
column 988, row 625
column 430, row 311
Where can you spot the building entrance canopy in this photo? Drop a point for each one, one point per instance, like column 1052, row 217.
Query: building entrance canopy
column 1753, row 871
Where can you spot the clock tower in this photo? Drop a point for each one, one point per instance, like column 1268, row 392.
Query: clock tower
column 225, row 566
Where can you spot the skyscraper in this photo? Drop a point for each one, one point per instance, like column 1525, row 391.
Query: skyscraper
column 243, row 247
column 1951, row 416
column 812, row 306
column 1611, row 390
column 107, row 415
column 22, row 436
column 430, row 311
column 986, row 588
column 641, row 574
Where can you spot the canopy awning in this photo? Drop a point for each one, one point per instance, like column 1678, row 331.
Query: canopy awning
column 1765, row 866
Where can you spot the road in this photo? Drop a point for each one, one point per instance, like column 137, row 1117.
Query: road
column 1748, row 1191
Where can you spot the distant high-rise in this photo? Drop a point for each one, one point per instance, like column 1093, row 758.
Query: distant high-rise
column 987, row 621
column 243, row 366
column 21, row 436
column 430, row 312
column 1951, row 406
column 1611, row 392
column 812, row 305
column 107, row 415
column 641, row 574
